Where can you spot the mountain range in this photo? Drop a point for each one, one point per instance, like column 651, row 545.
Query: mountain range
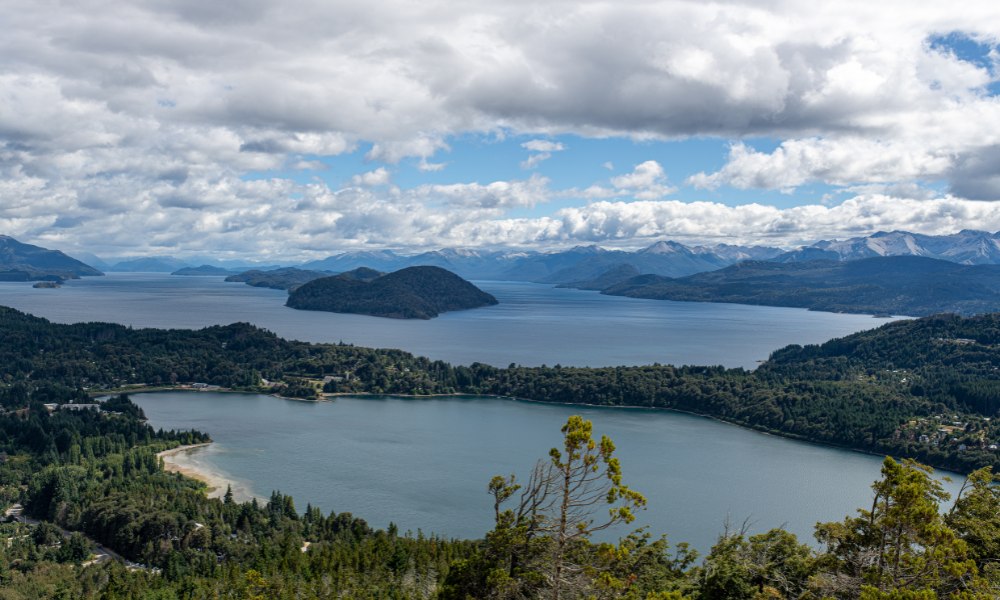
column 585, row 263
column 667, row 258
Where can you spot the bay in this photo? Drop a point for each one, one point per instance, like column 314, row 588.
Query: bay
column 425, row 463
column 534, row 324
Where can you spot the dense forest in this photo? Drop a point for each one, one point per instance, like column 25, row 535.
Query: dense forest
column 105, row 521
column 927, row 389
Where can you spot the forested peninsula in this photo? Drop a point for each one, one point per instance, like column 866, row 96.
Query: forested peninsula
column 893, row 285
column 926, row 388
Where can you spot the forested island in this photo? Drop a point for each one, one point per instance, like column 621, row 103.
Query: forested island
column 410, row 293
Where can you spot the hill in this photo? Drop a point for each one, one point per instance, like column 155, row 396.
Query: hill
column 287, row 278
column 25, row 262
column 202, row 271
column 410, row 293
column 903, row 285
column 149, row 264
column 612, row 276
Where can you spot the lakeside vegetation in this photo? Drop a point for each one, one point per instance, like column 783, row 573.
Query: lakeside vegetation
column 927, row 389
column 92, row 476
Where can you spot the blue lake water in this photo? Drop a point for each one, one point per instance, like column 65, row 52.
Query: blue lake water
column 425, row 463
column 534, row 324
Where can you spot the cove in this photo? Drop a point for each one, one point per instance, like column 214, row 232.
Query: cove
column 425, row 463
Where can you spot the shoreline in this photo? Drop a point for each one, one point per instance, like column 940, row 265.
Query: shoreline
column 174, row 462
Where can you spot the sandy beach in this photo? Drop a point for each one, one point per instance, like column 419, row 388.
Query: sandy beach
column 184, row 460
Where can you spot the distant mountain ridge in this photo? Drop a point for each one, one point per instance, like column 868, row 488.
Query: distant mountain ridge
column 585, row 263
column 900, row 285
column 575, row 264
column 202, row 271
column 966, row 247
column 410, row 293
column 25, row 262
column 287, row 278
column 667, row 258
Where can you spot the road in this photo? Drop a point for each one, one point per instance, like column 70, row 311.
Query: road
column 99, row 554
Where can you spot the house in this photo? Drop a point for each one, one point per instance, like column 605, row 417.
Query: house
column 79, row 406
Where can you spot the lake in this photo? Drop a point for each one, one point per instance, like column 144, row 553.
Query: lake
column 534, row 324
column 425, row 463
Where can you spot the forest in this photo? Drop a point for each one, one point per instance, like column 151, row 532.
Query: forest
column 927, row 389
column 88, row 477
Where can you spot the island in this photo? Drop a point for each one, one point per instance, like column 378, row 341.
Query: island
column 410, row 293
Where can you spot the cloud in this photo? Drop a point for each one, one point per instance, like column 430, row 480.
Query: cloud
column 646, row 182
column 841, row 161
column 135, row 127
column 542, row 150
column 379, row 176
column 754, row 223
column 543, row 146
column 423, row 147
column 492, row 196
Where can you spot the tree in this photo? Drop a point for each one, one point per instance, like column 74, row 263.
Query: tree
column 541, row 545
column 901, row 548
column 975, row 517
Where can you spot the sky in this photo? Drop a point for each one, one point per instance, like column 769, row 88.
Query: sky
column 295, row 129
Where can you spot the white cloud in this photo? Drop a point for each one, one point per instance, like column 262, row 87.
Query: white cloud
column 754, row 223
column 139, row 125
column 492, row 196
column 542, row 150
column 646, row 182
column 430, row 167
column 393, row 151
column 379, row 176
column 534, row 160
column 543, row 146
column 838, row 161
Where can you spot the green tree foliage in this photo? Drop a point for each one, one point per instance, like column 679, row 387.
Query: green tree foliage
column 901, row 547
column 540, row 545
column 975, row 517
